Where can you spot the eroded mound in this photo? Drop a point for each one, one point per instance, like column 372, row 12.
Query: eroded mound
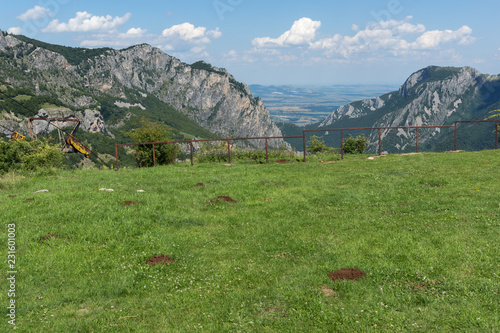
column 159, row 259
column 347, row 274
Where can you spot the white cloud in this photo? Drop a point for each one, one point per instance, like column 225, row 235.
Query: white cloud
column 303, row 32
column 15, row 31
column 85, row 22
column 392, row 37
column 187, row 32
column 34, row 13
column 184, row 40
column 432, row 39
column 136, row 32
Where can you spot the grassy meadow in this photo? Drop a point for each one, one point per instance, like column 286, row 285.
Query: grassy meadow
column 424, row 228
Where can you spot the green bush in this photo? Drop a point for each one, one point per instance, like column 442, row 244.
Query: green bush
column 316, row 145
column 29, row 156
column 356, row 145
column 153, row 132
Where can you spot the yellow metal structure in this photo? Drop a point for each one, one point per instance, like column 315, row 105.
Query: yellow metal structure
column 70, row 140
column 16, row 136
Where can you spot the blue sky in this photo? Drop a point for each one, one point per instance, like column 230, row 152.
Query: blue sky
column 314, row 42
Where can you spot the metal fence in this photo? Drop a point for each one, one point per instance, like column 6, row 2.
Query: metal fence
column 303, row 137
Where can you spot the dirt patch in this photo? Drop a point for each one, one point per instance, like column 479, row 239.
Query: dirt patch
column 347, row 274
column 268, row 199
column 221, row 199
column 199, row 185
column 159, row 259
column 29, row 199
column 328, row 162
column 226, row 198
column 12, row 196
column 49, row 236
column 282, row 161
column 130, row 203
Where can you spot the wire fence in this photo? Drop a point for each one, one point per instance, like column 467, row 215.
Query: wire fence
column 377, row 130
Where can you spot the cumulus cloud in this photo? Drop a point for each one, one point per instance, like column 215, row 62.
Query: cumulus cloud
column 432, row 39
column 394, row 37
column 15, row 31
column 379, row 41
column 34, row 13
column 184, row 40
column 136, row 32
column 187, row 32
column 85, row 22
column 303, row 32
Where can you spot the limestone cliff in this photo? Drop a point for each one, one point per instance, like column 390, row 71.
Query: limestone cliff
column 207, row 95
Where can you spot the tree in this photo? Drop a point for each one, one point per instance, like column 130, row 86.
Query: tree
column 153, row 132
column 316, row 145
column 356, row 145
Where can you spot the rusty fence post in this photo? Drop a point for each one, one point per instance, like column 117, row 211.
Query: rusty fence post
column 228, row 152
column 191, row 148
column 304, row 142
column 116, row 154
column 496, row 134
column 154, row 155
column 379, row 141
column 267, row 153
column 342, row 144
column 455, row 140
column 417, row 138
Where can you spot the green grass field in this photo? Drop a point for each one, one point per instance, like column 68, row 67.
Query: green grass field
column 424, row 228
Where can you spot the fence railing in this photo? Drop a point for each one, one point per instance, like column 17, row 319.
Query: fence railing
column 303, row 137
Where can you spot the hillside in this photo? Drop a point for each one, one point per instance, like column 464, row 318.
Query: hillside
column 112, row 88
column 431, row 96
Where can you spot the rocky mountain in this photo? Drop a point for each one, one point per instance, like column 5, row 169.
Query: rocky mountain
column 108, row 88
column 431, row 96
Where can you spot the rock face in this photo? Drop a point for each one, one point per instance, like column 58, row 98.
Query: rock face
column 432, row 96
column 90, row 121
column 209, row 96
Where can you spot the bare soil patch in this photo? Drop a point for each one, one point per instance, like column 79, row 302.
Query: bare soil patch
column 12, row 196
column 282, row 161
column 200, row 185
column 159, row 259
column 130, row 203
column 347, row 274
column 49, row 236
column 29, row 199
column 221, row 199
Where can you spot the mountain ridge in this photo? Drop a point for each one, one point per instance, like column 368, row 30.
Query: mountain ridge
column 94, row 79
column 432, row 96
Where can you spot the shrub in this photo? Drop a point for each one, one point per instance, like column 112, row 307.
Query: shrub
column 153, row 132
column 316, row 145
column 356, row 145
column 29, row 156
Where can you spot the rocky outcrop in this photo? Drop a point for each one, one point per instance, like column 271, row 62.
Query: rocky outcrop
column 208, row 95
column 433, row 96
column 90, row 121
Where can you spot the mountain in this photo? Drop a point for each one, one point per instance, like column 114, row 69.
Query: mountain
column 431, row 96
column 108, row 89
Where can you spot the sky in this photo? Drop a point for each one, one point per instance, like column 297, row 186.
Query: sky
column 276, row 42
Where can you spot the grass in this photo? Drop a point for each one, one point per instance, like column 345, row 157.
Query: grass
column 424, row 228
